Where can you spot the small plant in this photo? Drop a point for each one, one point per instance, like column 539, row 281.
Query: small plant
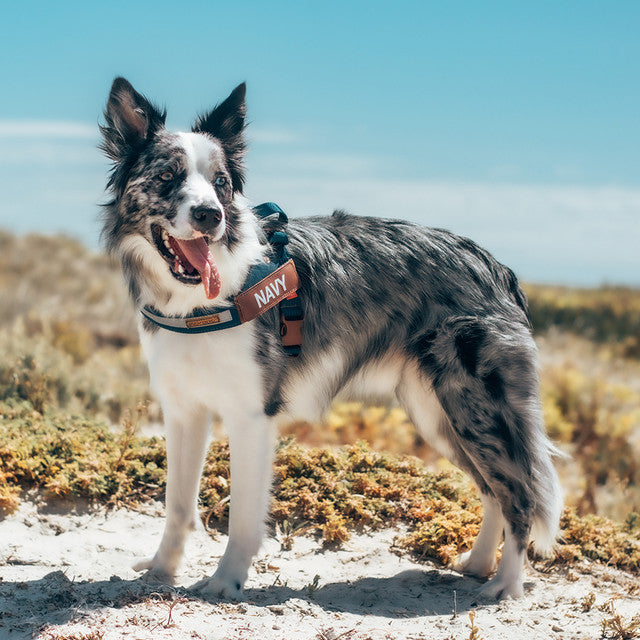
column 616, row 627
column 329, row 493
column 170, row 600
column 474, row 633
column 632, row 521
column 607, row 314
column 313, row 586
column 287, row 530
column 597, row 419
column 588, row 601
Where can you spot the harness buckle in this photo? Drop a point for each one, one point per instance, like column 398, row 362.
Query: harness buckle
column 291, row 321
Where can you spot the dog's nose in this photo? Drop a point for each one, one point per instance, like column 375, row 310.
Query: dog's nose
column 206, row 218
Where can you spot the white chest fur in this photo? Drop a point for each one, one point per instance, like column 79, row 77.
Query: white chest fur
column 215, row 370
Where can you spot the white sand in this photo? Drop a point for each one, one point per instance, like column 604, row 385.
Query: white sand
column 67, row 573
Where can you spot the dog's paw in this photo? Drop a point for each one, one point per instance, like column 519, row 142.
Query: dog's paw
column 472, row 565
column 499, row 588
column 218, row 586
column 154, row 571
column 143, row 565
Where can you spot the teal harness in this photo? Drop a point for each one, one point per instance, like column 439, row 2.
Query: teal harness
column 265, row 275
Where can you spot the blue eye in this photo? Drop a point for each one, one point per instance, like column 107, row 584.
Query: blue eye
column 166, row 176
column 220, row 181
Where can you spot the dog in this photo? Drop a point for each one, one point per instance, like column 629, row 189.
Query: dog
column 389, row 307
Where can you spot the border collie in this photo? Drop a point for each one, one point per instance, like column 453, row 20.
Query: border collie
column 389, row 308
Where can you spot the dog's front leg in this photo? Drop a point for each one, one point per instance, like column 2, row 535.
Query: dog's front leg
column 187, row 433
column 252, row 444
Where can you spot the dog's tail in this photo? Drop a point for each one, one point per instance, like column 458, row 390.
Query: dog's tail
column 549, row 501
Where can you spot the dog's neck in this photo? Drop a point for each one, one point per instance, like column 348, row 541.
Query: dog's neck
column 151, row 283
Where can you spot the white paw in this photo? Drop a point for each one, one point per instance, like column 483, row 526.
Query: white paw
column 472, row 565
column 219, row 586
column 500, row 588
column 143, row 565
column 155, row 571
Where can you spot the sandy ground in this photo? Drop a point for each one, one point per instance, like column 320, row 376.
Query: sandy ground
column 66, row 573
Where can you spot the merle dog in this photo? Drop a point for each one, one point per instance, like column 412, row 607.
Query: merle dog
column 390, row 308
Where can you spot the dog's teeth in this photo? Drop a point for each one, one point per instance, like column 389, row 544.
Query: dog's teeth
column 167, row 244
column 180, row 268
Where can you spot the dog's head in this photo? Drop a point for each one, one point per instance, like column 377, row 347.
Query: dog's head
column 174, row 214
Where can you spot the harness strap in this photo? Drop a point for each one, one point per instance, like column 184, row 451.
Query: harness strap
column 291, row 313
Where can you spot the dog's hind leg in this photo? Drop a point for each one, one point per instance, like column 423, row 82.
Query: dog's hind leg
column 481, row 560
column 252, row 440
column 187, row 433
column 418, row 398
column 484, row 373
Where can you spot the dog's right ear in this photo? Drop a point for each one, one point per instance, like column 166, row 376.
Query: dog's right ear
column 226, row 123
column 130, row 120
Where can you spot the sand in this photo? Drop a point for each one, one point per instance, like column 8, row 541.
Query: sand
column 66, row 573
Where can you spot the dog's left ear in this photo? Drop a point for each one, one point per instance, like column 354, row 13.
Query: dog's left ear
column 226, row 123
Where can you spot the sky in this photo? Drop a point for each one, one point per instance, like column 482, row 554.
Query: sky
column 516, row 124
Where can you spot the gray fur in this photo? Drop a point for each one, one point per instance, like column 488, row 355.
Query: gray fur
column 370, row 287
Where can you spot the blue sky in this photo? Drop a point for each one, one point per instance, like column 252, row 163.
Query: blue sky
column 514, row 123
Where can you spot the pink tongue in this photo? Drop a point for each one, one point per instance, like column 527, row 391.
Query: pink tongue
column 198, row 254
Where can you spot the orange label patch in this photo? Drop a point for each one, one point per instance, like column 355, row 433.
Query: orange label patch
column 268, row 292
column 204, row 321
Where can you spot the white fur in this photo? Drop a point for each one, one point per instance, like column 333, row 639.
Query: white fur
column 378, row 380
column 169, row 296
column 481, row 560
column 310, row 390
column 417, row 397
column 507, row 583
column 196, row 376
column 543, row 536
column 201, row 153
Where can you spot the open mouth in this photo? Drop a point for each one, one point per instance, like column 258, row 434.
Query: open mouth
column 190, row 261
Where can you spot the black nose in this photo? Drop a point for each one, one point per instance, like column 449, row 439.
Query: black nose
column 206, row 218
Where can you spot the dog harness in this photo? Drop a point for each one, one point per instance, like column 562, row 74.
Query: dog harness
column 269, row 283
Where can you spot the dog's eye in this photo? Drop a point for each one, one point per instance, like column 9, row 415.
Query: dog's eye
column 166, row 176
column 220, row 181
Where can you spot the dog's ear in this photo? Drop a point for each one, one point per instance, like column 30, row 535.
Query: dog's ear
column 130, row 120
column 226, row 123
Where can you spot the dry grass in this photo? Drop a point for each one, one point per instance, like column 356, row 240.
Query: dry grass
column 66, row 455
column 49, row 367
column 608, row 315
column 56, row 279
column 616, row 627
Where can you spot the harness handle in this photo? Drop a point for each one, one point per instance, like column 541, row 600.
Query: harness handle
column 267, row 209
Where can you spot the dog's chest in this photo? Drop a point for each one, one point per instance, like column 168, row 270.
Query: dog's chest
column 217, row 370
